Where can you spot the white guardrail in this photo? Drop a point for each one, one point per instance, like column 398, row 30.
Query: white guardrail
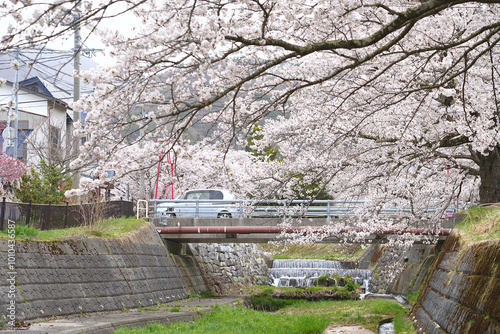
column 265, row 208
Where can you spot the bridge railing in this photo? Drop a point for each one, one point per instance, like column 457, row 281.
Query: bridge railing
column 278, row 208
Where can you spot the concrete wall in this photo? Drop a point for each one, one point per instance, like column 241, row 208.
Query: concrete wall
column 462, row 293
column 89, row 275
column 192, row 273
column 398, row 270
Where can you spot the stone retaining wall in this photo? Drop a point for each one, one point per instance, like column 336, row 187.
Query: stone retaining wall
column 399, row 270
column 461, row 294
column 227, row 267
column 88, row 275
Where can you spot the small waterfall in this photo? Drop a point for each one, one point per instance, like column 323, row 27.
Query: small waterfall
column 386, row 328
column 294, row 273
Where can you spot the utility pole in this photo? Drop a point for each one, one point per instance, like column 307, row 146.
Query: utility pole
column 142, row 190
column 77, row 50
column 76, row 85
column 12, row 134
column 16, row 120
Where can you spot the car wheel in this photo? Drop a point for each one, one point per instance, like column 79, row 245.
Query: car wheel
column 170, row 215
column 224, row 215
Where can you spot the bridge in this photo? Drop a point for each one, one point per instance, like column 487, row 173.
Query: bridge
column 331, row 209
column 259, row 230
column 263, row 222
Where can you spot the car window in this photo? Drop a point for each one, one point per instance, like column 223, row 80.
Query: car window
column 204, row 194
column 215, row 194
column 198, row 195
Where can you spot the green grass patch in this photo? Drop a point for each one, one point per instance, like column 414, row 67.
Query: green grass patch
column 481, row 223
column 109, row 228
column 240, row 320
column 298, row 317
column 347, row 286
column 26, row 231
column 367, row 313
column 413, row 297
column 267, row 303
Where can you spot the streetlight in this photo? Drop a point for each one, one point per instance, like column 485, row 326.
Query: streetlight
column 158, row 173
column 171, row 161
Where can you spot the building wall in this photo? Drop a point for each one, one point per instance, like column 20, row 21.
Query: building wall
column 36, row 114
column 49, row 138
column 34, row 103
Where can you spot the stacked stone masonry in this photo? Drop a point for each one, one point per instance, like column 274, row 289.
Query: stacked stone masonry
column 228, row 267
column 462, row 294
column 89, row 275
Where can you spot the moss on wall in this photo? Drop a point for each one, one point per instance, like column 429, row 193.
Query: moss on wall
column 461, row 293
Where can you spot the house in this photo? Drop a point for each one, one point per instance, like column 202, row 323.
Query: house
column 44, row 118
column 44, row 123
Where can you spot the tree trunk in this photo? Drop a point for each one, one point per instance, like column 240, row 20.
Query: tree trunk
column 489, row 170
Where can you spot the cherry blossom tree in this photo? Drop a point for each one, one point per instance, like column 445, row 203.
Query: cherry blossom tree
column 196, row 166
column 393, row 102
column 10, row 168
column 26, row 23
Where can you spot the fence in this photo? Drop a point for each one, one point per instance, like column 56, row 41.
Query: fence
column 330, row 209
column 49, row 216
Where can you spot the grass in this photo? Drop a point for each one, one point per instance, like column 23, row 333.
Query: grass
column 202, row 294
column 300, row 317
column 367, row 313
column 325, row 251
column 345, row 291
column 413, row 297
column 481, row 223
column 239, row 320
column 109, row 228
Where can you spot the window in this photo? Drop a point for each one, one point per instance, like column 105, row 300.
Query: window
column 21, row 125
column 204, row 194
column 55, row 135
column 215, row 194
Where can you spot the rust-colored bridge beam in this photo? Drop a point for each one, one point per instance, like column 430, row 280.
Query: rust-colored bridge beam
column 279, row 229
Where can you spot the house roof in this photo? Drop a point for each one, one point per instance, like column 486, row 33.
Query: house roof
column 37, row 87
column 53, row 68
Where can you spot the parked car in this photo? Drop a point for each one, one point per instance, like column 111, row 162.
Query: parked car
column 201, row 203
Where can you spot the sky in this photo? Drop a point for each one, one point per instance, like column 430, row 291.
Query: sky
column 93, row 41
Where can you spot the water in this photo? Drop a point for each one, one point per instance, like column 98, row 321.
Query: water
column 387, row 328
column 294, row 273
column 399, row 298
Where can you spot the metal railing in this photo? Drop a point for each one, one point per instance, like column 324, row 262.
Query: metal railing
column 278, row 208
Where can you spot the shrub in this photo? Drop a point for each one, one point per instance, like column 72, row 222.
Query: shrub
column 206, row 294
column 325, row 280
column 266, row 303
column 26, row 230
column 350, row 286
column 47, row 184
